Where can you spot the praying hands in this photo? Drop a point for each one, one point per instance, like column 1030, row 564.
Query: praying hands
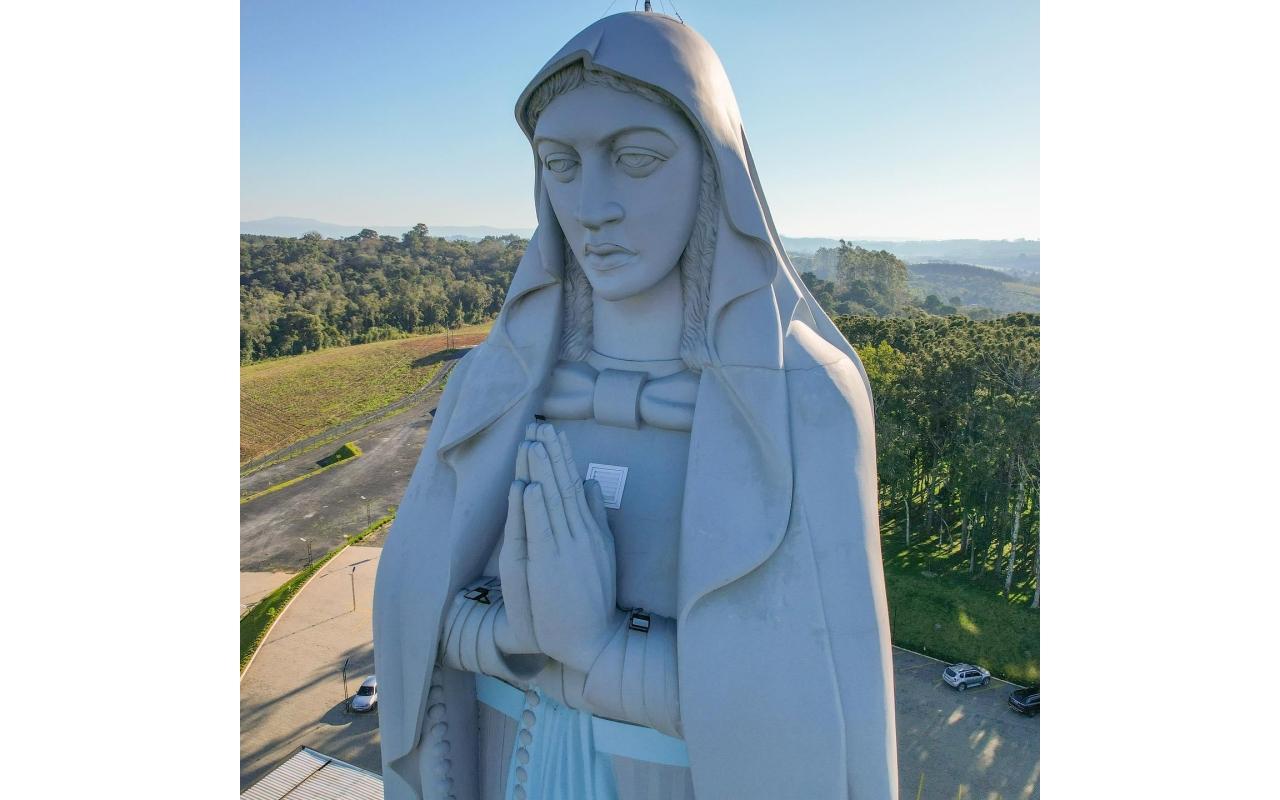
column 557, row 563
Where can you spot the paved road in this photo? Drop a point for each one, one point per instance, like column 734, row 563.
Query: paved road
column 968, row 745
column 328, row 507
column 293, row 693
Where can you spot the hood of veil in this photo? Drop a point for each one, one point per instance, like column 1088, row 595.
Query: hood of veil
column 755, row 292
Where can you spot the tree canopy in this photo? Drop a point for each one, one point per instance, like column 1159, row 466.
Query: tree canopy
column 299, row 295
column 958, row 437
column 862, row 281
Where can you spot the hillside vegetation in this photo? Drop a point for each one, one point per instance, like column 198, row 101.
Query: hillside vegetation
column 853, row 280
column 285, row 400
column 960, row 285
column 306, row 294
column 859, row 281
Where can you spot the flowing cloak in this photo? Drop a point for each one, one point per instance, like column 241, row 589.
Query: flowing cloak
column 785, row 674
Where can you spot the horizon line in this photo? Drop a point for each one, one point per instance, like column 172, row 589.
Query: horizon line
column 786, row 235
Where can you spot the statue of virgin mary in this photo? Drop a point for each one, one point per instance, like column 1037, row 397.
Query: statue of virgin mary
column 639, row 557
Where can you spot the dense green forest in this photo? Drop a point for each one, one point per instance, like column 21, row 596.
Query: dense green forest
column 958, row 442
column 304, row 294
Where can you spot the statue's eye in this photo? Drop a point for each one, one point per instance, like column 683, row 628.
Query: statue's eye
column 637, row 159
column 560, row 164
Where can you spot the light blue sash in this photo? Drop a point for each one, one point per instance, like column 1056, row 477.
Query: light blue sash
column 562, row 753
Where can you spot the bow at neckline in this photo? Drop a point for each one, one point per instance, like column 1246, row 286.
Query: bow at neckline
column 621, row 398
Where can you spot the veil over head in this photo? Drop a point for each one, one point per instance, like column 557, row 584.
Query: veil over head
column 666, row 55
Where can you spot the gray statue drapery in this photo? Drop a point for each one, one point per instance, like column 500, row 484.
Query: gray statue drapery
column 785, row 672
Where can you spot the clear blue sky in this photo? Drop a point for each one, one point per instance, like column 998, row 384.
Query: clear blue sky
column 867, row 118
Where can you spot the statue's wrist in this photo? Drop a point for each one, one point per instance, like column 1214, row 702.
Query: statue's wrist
column 506, row 637
column 585, row 658
column 502, row 632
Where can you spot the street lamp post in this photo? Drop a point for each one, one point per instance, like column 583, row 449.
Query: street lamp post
column 368, row 515
column 353, row 588
column 308, row 544
column 346, row 695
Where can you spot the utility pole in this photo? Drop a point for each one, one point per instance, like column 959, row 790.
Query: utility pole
column 346, row 695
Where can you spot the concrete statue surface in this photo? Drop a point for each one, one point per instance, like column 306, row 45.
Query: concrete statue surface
column 639, row 557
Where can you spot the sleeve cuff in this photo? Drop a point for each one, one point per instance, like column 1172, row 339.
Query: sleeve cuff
column 635, row 678
column 469, row 642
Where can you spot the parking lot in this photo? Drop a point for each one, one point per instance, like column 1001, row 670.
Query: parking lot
column 961, row 745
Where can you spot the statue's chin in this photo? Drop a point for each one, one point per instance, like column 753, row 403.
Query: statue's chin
column 625, row 280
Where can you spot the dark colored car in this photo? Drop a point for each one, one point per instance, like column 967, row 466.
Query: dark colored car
column 1026, row 701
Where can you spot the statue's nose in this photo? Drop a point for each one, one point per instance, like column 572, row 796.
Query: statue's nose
column 601, row 215
column 595, row 207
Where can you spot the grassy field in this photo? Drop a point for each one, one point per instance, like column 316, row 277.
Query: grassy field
column 937, row 608
column 285, row 400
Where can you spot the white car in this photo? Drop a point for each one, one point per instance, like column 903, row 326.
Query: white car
column 962, row 676
column 366, row 698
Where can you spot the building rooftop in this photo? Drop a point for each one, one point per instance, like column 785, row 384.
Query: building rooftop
column 309, row 775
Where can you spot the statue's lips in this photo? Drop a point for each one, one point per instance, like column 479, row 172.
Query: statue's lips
column 605, row 257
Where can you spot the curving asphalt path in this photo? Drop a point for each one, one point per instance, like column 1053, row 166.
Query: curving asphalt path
column 293, row 692
column 339, row 502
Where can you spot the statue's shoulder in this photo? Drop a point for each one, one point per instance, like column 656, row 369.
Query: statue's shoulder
column 454, row 385
column 823, row 377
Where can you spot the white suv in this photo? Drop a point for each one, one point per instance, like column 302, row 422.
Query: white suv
column 962, row 676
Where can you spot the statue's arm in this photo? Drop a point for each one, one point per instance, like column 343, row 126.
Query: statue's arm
column 475, row 633
column 634, row 679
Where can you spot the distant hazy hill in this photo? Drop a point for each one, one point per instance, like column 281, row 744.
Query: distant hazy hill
column 296, row 226
column 965, row 284
column 1021, row 255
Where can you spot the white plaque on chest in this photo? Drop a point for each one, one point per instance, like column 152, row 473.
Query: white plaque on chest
column 612, row 480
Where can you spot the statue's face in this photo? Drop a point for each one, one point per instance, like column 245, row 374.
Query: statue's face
column 623, row 175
